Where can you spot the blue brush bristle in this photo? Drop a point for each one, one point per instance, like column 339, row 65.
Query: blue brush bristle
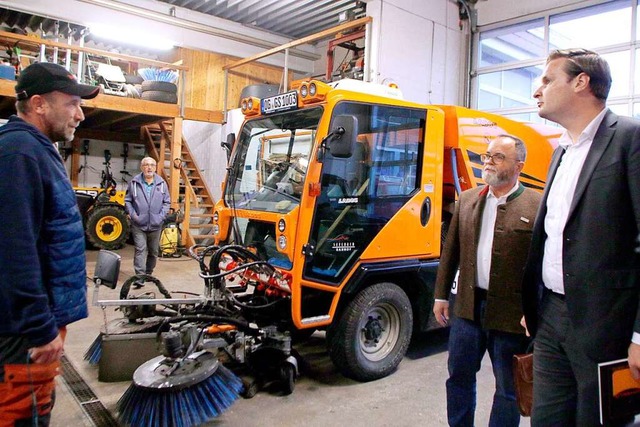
column 94, row 352
column 186, row 407
column 158, row 75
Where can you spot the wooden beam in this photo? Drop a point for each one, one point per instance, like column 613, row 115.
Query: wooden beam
column 36, row 41
column 132, row 105
column 111, row 102
column 103, row 135
column 199, row 115
column 311, row 38
column 176, row 153
column 7, row 88
column 117, row 119
column 75, row 160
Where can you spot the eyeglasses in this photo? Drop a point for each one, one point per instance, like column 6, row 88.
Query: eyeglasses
column 497, row 158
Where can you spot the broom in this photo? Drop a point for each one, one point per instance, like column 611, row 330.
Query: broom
column 182, row 393
column 94, row 352
column 118, row 327
column 125, row 325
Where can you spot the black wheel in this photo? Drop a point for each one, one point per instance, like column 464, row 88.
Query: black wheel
column 133, row 79
column 288, row 377
column 154, row 85
column 159, row 96
column 250, row 387
column 371, row 336
column 107, row 227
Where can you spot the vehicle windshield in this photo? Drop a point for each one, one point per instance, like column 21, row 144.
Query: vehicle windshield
column 270, row 162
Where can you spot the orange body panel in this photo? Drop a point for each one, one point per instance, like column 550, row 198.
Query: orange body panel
column 449, row 132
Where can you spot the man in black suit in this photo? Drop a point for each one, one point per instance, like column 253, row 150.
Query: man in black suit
column 581, row 286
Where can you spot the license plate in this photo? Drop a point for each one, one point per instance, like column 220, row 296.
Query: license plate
column 282, row 102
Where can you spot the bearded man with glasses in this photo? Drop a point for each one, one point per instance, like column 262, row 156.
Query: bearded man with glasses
column 488, row 240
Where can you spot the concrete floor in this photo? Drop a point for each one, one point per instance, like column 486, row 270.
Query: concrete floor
column 414, row 395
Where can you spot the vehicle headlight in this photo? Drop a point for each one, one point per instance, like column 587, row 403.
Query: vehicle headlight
column 312, row 89
column 282, row 242
column 303, row 91
column 244, row 105
column 216, row 229
column 250, row 104
column 281, row 225
column 216, row 216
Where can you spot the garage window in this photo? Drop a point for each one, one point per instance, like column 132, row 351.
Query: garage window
column 509, row 59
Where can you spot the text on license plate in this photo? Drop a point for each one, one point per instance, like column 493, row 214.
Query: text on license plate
column 282, row 102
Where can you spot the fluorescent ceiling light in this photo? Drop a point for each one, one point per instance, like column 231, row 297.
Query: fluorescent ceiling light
column 131, row 36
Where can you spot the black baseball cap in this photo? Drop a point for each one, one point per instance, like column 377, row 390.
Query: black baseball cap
column 45, row 77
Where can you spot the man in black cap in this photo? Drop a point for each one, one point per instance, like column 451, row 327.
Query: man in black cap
column 42, row 260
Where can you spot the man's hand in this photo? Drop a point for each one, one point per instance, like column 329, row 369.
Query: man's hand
column 441, row 311
column 523, row 323
column 634, row 360
column 47, row 353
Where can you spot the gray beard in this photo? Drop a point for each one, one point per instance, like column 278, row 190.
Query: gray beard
column 494, row 179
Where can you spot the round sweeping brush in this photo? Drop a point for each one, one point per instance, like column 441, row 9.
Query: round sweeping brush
column 178, row 393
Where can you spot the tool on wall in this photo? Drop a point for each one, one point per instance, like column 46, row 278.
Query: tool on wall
column 125, row 155
column 107, row 181
column 83, row 33
column 85, row 154
column 70, row 34
column 56, row 36
column 14, row 53
column 43, row 50
column 65, row 151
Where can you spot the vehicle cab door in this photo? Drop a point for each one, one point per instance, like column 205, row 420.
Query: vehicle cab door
column 377, row 199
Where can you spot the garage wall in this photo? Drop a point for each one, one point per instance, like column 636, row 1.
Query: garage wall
column 419, row 45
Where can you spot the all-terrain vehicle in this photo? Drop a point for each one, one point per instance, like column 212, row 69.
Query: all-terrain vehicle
column 105, row 220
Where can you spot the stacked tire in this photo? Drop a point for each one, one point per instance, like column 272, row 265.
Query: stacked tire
column 133, row 85
column 158, row 91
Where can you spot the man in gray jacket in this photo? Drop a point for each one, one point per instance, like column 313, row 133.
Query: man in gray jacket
column 147, row 203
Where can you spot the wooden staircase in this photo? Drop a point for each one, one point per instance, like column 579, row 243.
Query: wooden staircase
column 190, row 194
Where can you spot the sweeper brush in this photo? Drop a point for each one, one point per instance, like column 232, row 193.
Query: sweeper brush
column 121, row 327
column 179, row 393
column 242, row 320
column 137, row 319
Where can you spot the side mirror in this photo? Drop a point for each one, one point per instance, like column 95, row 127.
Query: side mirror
column 228, row 144
column 343, row 135
column 107, row 269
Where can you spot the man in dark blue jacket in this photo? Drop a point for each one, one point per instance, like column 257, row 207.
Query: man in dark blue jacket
column 42, row 260
column 147, row 202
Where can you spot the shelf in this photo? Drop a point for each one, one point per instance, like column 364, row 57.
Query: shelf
column 108, row 117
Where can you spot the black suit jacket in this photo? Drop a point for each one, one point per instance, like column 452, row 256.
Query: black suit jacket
column 600, row 266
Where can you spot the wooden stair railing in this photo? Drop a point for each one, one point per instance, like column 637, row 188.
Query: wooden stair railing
column 194, row 197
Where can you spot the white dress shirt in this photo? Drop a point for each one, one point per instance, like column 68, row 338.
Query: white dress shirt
column 485, row 240
column 560, row 198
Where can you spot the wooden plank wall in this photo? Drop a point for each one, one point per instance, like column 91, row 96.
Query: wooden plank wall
column 205, row 79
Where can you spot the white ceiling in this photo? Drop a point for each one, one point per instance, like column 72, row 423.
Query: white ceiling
column 290, row 18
